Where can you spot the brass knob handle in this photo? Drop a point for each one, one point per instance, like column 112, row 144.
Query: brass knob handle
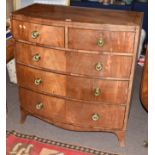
column 95, row 117
column 97, row 91
column 99, row 66
column 37, row 82
column 36, row 57
column 20, row 26
column 39, row 106
column 35, row 34
column 100, row 42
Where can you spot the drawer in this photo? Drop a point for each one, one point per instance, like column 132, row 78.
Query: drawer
column 36, row 33
column 109, row 41
column 95, row 115
column 41, row 81
column 41, row 57
column 114, row 92
column 100, row 65
column 42, row 105
column 108, row 91
column 68, row 62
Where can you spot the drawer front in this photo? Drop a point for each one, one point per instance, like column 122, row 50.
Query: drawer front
column 95, row 116
column 41, row 81
column 101, row 40
column 113, row 92
column 41, row 34
column 42, row 105
column 106, row 91
column 41, row 57
column 68, row 62
column 100, row 65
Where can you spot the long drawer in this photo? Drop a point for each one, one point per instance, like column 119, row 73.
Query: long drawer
column 97, row 65
column 108, row 91
column 71, row 112
column 110, row 41
column 37, row 33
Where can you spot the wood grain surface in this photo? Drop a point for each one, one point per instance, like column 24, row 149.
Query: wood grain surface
column 113, row 41
column 78, row 14
column 112, row 65
column 49, row 58
column 110, row 117
column 50, row 82
column 48, row 35
column 73, row 87
column 68, row 69
column 53, row 108
column 76, row 113
column 68, row 62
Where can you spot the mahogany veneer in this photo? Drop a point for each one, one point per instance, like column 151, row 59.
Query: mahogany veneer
column 113, row 41
column 76, row 70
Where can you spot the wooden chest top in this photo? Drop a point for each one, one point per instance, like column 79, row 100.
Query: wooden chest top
column 78, row 14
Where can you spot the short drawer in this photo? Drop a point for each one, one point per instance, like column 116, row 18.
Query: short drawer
column 40, row 57
column 95, row 116
column 42, row 105
column 109, row 41
column 99, row 65
column 36, row 33
column 108, row 91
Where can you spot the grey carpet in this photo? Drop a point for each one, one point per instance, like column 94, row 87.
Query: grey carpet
column 136, row 134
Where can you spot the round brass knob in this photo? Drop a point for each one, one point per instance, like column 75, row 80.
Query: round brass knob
column 100, row 42
column 39, row 106
column 20, row 26
column 36, row 57
column 37, row 82
column 95, row 117
column 97, row 92
column 98, row 66
column 35, row 34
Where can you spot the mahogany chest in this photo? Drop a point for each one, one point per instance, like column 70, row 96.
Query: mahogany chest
column 75, row 66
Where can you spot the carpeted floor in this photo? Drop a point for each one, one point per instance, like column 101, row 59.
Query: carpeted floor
column 135, row 136
column 24, row 144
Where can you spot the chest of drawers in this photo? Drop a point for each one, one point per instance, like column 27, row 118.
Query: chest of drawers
column 75, row 66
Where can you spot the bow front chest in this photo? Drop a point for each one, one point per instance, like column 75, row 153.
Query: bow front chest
column 75, row 66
